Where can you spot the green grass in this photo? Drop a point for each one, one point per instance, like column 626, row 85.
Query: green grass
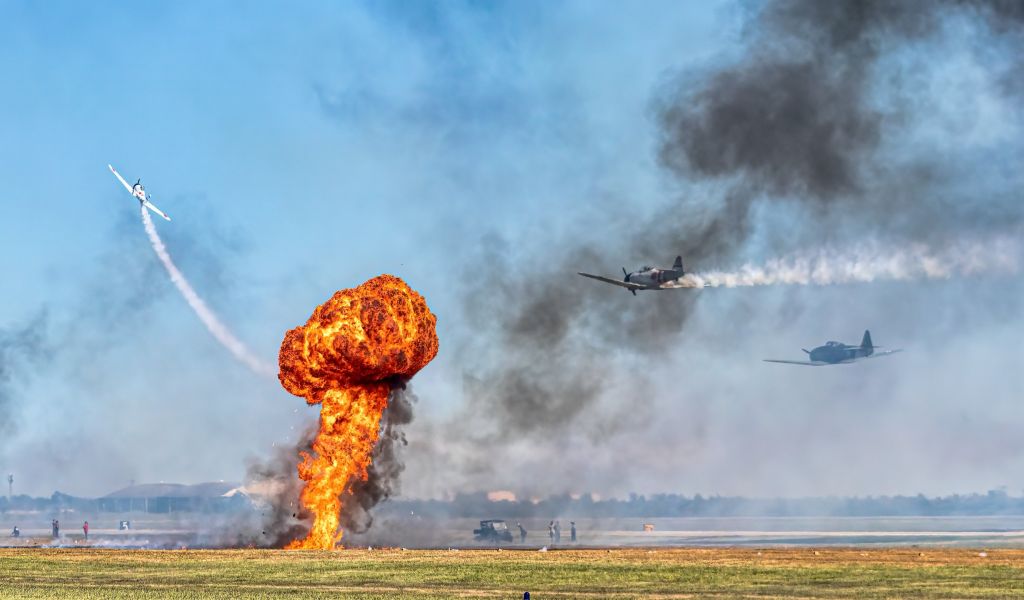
column 634, row 573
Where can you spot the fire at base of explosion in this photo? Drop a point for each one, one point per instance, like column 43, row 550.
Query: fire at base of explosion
column 347, row 357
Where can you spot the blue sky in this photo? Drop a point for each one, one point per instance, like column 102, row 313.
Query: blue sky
column 336, row 130
column 305, row 147
column 299, row 149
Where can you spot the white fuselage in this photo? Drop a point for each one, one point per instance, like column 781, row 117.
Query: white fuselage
column 139, row 192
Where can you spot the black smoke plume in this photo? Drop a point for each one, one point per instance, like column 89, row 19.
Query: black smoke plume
column 386, row 465
column 810, row 120
column 809, row 112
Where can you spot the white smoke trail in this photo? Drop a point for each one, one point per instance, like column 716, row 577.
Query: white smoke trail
column 213, row 324
column 873, row 261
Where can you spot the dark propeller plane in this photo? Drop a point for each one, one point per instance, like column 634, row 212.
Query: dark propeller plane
column 838, row 353
column 648, row 278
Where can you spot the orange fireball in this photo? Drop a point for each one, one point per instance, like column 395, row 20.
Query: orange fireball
column 346, row 358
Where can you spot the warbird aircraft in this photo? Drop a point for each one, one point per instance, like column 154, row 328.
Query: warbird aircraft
column 139, row 192
column 647, row 278
column 838, row 353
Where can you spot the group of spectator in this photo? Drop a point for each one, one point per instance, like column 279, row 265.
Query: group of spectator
column 54, row 529
column 554, row 532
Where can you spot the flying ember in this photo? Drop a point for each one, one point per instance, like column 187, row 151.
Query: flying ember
column 347, row 357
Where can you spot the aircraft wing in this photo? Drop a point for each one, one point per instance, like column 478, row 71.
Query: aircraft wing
column 121, row 179
column 806, row 363
column 625, row 284
column 153, row 208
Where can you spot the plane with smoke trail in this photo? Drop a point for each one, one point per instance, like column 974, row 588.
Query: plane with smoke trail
column 864, row 264
column 139, row 192
column 218, row 329
column 647, row 278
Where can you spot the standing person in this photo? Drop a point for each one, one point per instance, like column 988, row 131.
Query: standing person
column 572, row 530
column 85, row 528
column 558, row 533
column 551, row 531
column 522, row 533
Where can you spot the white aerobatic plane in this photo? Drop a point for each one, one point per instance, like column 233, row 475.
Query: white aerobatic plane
column 139, row 192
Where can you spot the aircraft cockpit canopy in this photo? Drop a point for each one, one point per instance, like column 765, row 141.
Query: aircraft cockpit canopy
column 646, row 268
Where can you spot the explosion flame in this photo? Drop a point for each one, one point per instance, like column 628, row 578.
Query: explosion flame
column 347, row 357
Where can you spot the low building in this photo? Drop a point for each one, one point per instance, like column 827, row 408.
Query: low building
column 175, row 497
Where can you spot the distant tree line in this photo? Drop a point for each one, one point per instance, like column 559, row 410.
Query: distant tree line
column 60, row 502
column 55, row 503
column 478, row 506
column 995, row 502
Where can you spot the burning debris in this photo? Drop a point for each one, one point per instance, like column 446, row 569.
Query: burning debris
column 352, row 353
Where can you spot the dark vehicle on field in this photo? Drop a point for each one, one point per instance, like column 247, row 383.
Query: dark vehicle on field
column 494, row 530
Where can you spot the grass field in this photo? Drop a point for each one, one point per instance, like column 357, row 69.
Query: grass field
column 632, row 573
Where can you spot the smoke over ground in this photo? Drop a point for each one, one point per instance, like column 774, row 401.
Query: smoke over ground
column 829, row 150
column 22, row 348
column 275, row 488
column 108, row 353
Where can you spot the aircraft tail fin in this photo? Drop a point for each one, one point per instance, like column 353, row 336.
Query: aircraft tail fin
column 865, row 343
column 678, row 265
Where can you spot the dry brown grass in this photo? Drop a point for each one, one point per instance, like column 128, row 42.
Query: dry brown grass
column 596, row 573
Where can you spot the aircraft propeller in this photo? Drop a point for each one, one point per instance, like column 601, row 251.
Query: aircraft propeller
column 626, row 279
